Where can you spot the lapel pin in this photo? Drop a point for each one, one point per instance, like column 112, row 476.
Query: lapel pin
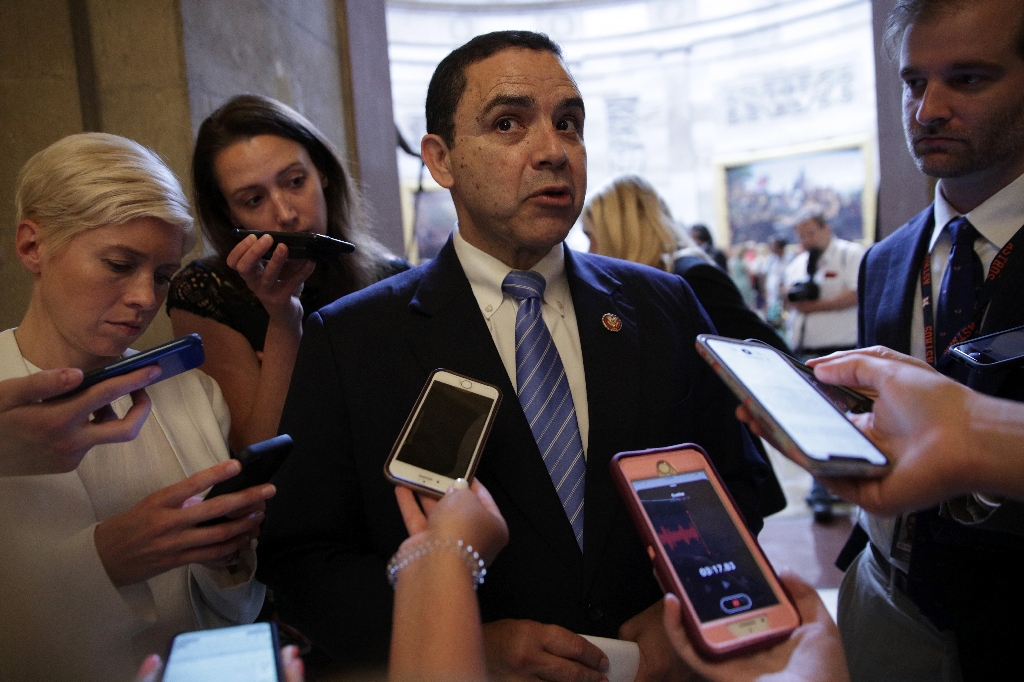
column 611, row 322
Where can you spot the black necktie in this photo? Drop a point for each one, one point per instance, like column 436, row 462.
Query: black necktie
column 961, row 284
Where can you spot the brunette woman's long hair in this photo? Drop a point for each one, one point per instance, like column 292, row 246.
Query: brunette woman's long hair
column 246, row 116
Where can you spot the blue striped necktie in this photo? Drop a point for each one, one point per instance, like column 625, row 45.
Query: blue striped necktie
column 544, row 394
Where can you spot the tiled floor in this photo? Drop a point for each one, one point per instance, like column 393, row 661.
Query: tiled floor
column 794, row 542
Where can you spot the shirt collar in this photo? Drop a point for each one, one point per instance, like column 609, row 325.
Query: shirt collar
column 486, row 273
column 997, row 219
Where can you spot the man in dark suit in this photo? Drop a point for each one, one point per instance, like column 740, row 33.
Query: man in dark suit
column 505, row 124
column 944, row 582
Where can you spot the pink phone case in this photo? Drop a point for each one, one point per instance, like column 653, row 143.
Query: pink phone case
column 788, row 618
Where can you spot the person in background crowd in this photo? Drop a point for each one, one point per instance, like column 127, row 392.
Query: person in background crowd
column 260, row 165
column 773, row 276
column 628, row 220
column 104, row 564
column 702, row 235
column 821, row 293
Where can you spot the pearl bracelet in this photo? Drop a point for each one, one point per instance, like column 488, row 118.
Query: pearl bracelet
column 469, row 556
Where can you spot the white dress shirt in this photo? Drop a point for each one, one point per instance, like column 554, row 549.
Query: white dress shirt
column 486, row 273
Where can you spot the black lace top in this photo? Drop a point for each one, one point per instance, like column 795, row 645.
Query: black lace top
column 200, row 289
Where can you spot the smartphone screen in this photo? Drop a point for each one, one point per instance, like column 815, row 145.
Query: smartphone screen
column 714, row 565
column 817, row 428
column 246, row 653
column 446, row 430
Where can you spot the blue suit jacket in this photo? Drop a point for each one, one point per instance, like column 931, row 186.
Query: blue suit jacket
column 364, row 359
column 889, row 278
column 962, row 577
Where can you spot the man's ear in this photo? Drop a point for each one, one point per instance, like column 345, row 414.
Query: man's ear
column 28, row 238
column 438, row 158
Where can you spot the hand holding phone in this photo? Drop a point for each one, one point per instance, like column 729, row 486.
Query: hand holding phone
column 160, row 532
column 260, row 461
column 305, row 245
column 814, row 651
column 806, row 426
column 702, row 551
column 445, row 434
column 844, row 398
column 173, row 358
column 469, row 515
column 41, row 437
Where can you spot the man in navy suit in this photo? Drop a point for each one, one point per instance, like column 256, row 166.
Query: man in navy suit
column 505, row 123
column 944, row 583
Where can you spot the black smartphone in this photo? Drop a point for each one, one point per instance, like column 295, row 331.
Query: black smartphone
column 445, row 433
column 845, row 399
column 992, row 352
column 307, row 245
column 173, row 357
column 244, row 653
column 807, row 427
column 260, row 461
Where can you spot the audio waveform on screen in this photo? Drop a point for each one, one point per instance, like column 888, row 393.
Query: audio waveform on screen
column 670, row 538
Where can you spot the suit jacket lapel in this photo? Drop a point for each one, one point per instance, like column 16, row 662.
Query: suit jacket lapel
column 447, row 330
column 612, row 373
column 901, row 272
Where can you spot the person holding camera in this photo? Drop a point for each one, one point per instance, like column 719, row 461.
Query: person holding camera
column 821, row 295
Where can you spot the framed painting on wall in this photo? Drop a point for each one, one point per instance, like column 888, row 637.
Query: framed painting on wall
column 761, row 196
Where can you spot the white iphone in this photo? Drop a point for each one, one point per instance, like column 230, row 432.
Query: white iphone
column 445, row 433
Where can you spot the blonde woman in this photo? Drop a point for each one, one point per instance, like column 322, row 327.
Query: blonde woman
column 628, row 220
column 102, row 565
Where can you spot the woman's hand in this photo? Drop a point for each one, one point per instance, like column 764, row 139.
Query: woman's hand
column 277, row 282
column 468, row 515
column 53, row 437
column 161, row 533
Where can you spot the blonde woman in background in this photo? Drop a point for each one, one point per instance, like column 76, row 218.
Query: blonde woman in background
column 104, row 564
column 628, row 220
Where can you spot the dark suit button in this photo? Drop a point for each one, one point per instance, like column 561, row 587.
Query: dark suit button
column 595, row 612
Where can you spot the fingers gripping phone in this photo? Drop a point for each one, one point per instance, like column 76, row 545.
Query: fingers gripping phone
column 445, row 433
column 260, row 461
column 845, row 399
column 702, row 551
column 173, row 357
column 245, row 653
column 307, row 245
column 807, row 426
column 992, row 352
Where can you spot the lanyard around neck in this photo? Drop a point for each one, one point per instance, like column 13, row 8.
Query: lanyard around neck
column 995, row 271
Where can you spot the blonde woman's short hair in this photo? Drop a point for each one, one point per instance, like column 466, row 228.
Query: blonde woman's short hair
column 628, row 220
column 94, row 179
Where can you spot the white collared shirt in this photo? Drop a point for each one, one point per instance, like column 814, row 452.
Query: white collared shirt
column 486, row 273
column 997, row 219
